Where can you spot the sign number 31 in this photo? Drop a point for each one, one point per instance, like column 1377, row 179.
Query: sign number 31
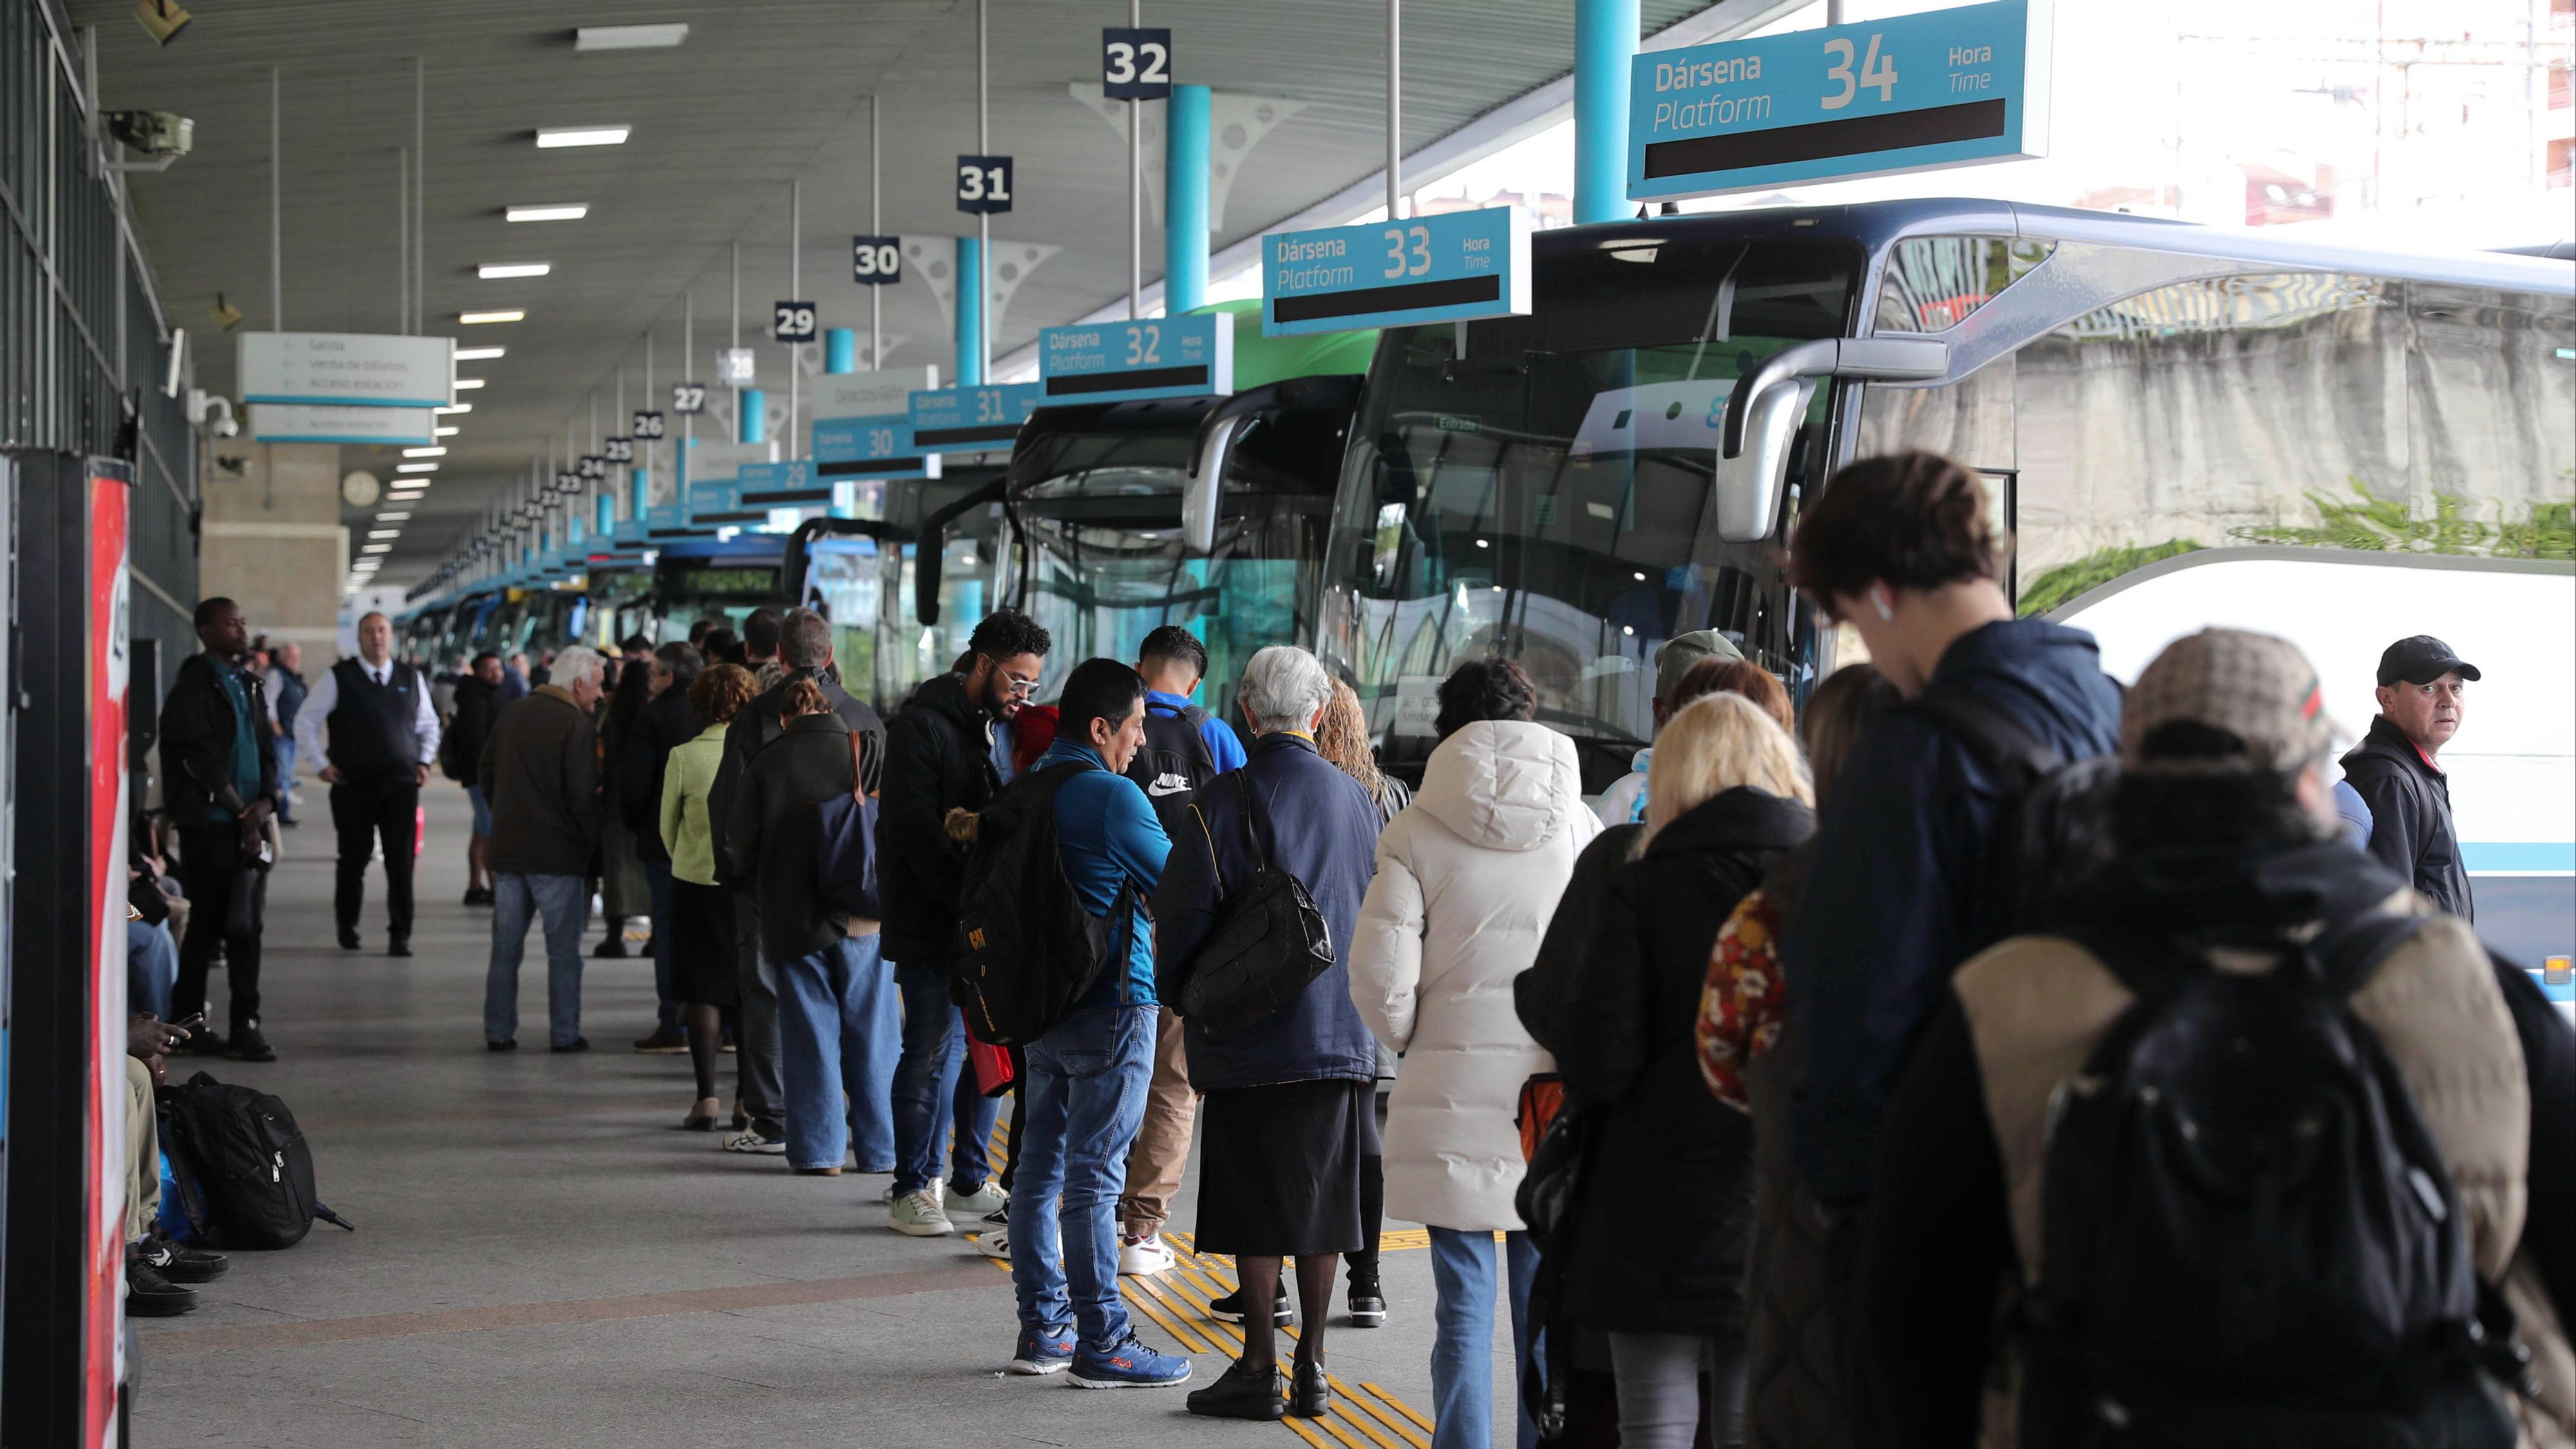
column 1877, row 71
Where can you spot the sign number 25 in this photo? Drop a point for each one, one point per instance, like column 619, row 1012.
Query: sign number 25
column 1877, row 71
column 1407, row 261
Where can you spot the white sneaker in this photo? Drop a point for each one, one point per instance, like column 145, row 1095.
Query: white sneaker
column 1143, row 1257
column 750, row 1140
column 917, row 1215
column 996, row 1243
column 988, row 1198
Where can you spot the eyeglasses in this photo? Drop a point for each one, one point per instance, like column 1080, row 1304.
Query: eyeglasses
column 1018, row 685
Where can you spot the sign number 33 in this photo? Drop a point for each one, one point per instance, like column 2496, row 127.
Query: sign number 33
column 1408, row 251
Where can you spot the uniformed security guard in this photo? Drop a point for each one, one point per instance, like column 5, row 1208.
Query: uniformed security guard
column 383, row 734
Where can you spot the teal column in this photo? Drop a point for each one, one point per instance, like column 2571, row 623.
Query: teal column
column 751, row 416
column 840, row 349
column 639, row 495
column 1605, row 40
column 1185, row 200
column 970, row 312
column 607, row 525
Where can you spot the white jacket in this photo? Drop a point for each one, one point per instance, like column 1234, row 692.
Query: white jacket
column 1467, row 877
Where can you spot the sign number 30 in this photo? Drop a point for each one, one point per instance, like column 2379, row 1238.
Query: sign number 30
column 1877, row 71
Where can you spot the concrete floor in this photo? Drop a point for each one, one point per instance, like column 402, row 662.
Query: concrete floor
column 542, row 1258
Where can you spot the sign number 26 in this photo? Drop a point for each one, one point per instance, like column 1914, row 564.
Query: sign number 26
column 1877, row 71
column 1407, row 261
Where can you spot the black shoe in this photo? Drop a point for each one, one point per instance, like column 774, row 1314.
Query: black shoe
column 501, row 1046
column 289, row 823
column 1368, row 1303
column 662, row 1043
column 349, row 939
column 248, row 1045
column 477, row 896
column 610, row 949
column 1240, row 1393
column 181, row 1264
column 149, row 1295
column 1309, row 1394
column 398, row 947
column 577, row 1044
column 205, row 1041
column 1230, row 1308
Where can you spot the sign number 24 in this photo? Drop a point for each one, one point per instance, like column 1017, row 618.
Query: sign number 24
column 1877, row 71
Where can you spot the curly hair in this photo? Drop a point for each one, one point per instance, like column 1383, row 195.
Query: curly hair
column 1482, row 689
column 1910, row 520
column 718, row 694
column 1008, row 632
column 1342, row 737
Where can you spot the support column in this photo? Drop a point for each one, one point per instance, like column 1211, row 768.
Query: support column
column 274, row 542
column 606, row 525
column 751, row 416
column 1185, row 200
column 1605, row 40
column 970, row 312
column 639, row 495
column 840, row 349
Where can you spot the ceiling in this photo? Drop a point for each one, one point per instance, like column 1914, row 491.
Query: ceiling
column 761, row 93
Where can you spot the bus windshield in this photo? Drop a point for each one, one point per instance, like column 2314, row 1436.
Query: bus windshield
column 1546, row 494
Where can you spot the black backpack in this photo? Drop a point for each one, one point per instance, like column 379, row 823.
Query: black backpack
column 2249, row 1236
column 2055, row 832
column 1173, row 762
column 251, row 1173
column 1267, row 945
column 1026, row 947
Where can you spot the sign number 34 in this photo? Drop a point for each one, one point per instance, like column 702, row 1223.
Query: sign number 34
column 1877, row 71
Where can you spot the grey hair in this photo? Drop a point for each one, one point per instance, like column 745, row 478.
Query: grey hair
column 1282, row 687
column 576, row 662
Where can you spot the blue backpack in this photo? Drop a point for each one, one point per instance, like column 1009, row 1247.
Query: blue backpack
column 846, row 846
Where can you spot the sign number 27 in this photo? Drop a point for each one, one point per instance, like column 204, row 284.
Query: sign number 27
column 1877, row 71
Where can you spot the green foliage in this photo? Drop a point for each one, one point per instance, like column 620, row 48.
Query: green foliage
column 2067, row 580
column 2369, row 523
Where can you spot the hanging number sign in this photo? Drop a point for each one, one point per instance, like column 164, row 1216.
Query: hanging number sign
column 566, row 484
column 593, row 466
column 794, row 322
column 648, row 426
column 985, row 184
column 876, row 261
column 688, row 399
column 620, row 450
column 1136, row 65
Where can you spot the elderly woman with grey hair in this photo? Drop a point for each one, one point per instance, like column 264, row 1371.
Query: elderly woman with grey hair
column 1289, row 1111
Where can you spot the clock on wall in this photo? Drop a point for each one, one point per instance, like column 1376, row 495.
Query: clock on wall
column 360, row 489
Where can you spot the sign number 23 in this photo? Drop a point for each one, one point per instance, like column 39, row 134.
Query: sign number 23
column 1877, row 71
column 1408, row 251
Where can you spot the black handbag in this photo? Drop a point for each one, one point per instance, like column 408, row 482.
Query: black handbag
column 1269, row 942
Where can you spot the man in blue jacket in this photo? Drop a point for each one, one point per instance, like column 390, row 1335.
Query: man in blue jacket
column 1085, row 1089
column 1905, row 885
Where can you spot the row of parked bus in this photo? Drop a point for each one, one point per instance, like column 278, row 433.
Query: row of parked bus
column 2181, row 427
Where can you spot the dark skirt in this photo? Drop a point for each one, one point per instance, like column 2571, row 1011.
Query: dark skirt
column 702, row 944
column 1279, row 1174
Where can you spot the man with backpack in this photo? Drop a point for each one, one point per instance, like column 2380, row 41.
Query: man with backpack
column 1089, row 1044
column 940, row 758
column 2274, row 1152
column 1185, row 747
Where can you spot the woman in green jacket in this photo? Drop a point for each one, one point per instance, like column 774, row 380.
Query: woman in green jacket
column 702, row 925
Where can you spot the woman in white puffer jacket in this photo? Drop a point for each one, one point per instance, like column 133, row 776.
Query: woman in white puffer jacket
column 1467, row 877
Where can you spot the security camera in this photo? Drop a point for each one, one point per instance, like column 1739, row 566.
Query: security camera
column 154, row 133
column 203, row 404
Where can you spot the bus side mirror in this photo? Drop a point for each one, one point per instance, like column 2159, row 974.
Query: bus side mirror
column 1203, row 492
column 928, row 553
column 1762, row 413
column 1748, row 484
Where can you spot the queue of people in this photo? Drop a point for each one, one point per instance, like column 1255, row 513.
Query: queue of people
column 2006, row 1054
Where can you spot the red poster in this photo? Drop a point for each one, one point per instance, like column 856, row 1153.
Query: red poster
column 106, row 640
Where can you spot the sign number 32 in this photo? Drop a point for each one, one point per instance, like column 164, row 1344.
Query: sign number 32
column 1877, row 71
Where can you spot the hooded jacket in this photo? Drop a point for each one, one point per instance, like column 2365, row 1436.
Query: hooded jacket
column 939, row 757
column 1905, row 883
column 1467, row 878
column 197, row 724
column 2409, row 798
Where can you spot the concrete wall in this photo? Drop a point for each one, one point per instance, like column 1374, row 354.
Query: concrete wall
column 273, row 541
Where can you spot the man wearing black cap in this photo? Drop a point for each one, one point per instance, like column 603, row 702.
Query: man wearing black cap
column 2423, row 696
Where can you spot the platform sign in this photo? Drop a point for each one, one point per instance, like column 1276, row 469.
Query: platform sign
column 870, row 447
column 668, row 521
column 718, row 504
column 876, row 261
column 340, row 423
column 985, row 184
column 973, row 419
column 1455, row 267
column 1188, row 356
column 356, row 369
column 1916, row 92
column 781, row 485
column 869, row 394
column 1136, row 65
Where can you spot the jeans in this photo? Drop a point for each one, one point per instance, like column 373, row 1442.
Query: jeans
column 285, row 772
column 1462, row 1345
column 837, row 1040
column 367, row 813
column 1658, row 1377
column 934, row 1091
column 564, row 902
column 151, row 968
column 657, row 878
column 1085, row 1098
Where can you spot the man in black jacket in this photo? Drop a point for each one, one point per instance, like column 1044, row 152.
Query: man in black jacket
column 2423, row 698
column 939, row 757
column 805, row 648
column 478, row 704
column 666, row 722
column 219, row 777
column 371, row 721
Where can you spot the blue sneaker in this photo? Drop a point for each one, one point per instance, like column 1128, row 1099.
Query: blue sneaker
column 1128, row 1364
column 1043, row 1353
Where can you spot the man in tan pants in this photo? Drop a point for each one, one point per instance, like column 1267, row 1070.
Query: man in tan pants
column 1162, row 1149
column 155, row 1267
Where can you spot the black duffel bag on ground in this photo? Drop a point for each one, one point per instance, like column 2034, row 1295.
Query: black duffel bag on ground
column 254, row 1173
column 1268, row 943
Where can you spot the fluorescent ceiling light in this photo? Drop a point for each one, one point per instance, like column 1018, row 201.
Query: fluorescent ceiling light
column 424, row 452
column 474, row 319
column 392, row 517
column 503, row 271
column 550, row 137
column 384, row 533
column 628, row 37
column 415, row 467
column 479, row 354
column 453, row 408
column 446, row 432
column 567, row 211
column 468, row 384
column 378, row 548
column 402, row 497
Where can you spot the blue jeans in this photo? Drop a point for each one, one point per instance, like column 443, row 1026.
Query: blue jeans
column 482, row 809
column 1084, row 1100
column 151, row 968
column 837, row 1040
column 285, row 771
column 1462, row 1344
column 564, row 903
column 657, row 878
column 933, row 1092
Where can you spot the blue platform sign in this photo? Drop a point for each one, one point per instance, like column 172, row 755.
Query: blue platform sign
column 668, row 521
column 1916, row 92
column 1455, row 267
column 878, row 446
column 781, row 485
column 1189, row 356
column 718, row 504
column 973, row 419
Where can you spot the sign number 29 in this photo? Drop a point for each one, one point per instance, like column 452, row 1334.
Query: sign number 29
column 1877, row 71
column 1408, row 251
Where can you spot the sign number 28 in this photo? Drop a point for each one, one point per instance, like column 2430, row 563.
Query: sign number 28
column 1877, row 71
column 1407, row 261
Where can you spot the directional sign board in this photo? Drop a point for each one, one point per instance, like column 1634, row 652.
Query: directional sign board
column 350, row 368
column 1187, row 356
column 781, row 485
column 1911, row 93
column 973, row 419
column 1136, row 65
column 671, row 520
column 719, row 504
column 339, row 423
column 1455, row 267
column 876, row 261
column 863, row 424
